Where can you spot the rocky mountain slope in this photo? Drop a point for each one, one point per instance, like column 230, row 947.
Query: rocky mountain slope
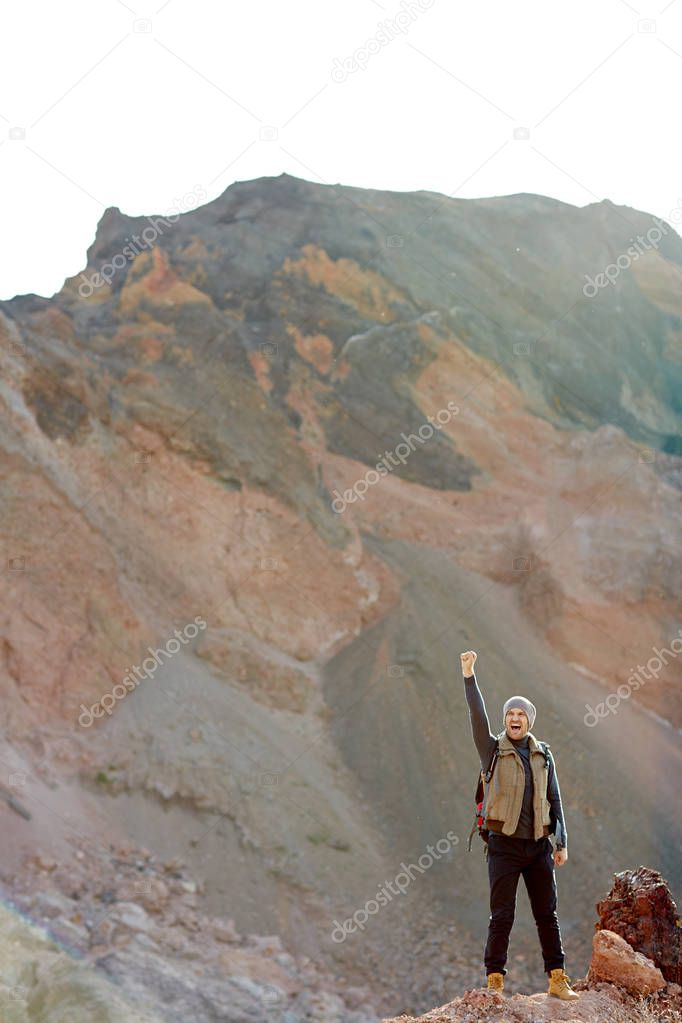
column 226, row 431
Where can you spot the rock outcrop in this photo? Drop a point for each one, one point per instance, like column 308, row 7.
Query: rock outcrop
column 640, row 908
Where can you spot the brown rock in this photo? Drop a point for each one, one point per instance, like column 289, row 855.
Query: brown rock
column 615, row 961
column 641, row 909
column 45, row 863
column 225, row 931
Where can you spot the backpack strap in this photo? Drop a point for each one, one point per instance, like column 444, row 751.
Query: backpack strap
column 471, row 835
column 493, row 760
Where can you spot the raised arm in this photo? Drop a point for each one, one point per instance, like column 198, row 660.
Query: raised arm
column 480, row 726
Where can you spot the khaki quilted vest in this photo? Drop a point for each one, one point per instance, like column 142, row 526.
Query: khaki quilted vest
column 504, row 794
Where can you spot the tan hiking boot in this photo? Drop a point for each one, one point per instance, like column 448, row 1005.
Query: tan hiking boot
column 496, row 982
column 560, row 986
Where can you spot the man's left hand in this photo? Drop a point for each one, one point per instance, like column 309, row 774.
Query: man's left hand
column 560, row 857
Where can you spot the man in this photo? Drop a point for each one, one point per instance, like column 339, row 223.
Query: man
column 522, row 807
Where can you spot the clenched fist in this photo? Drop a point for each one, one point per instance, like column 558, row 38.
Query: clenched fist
column 468, row 660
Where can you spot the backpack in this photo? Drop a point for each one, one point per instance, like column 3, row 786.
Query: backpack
column 479, row 817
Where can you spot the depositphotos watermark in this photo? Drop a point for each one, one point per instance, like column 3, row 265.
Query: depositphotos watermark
column 388, row 29
column 135, row 675
column 654, row 665
column 401, row 882
column 401, row 452
column 611, row 273
column 145, row 240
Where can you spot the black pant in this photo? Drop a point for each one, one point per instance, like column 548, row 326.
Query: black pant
column 507, row 858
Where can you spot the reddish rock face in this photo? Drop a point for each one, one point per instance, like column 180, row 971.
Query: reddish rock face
column 641, row 909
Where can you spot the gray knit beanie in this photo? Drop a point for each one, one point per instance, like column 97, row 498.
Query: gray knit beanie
column 523, row 704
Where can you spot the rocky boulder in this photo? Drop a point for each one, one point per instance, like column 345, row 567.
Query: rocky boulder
column 641, row 909
column 616, row 962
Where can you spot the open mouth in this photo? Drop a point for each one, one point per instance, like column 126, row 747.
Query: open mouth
column 516, row 729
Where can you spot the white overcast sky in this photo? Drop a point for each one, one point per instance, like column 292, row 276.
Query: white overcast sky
column 112, row 103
